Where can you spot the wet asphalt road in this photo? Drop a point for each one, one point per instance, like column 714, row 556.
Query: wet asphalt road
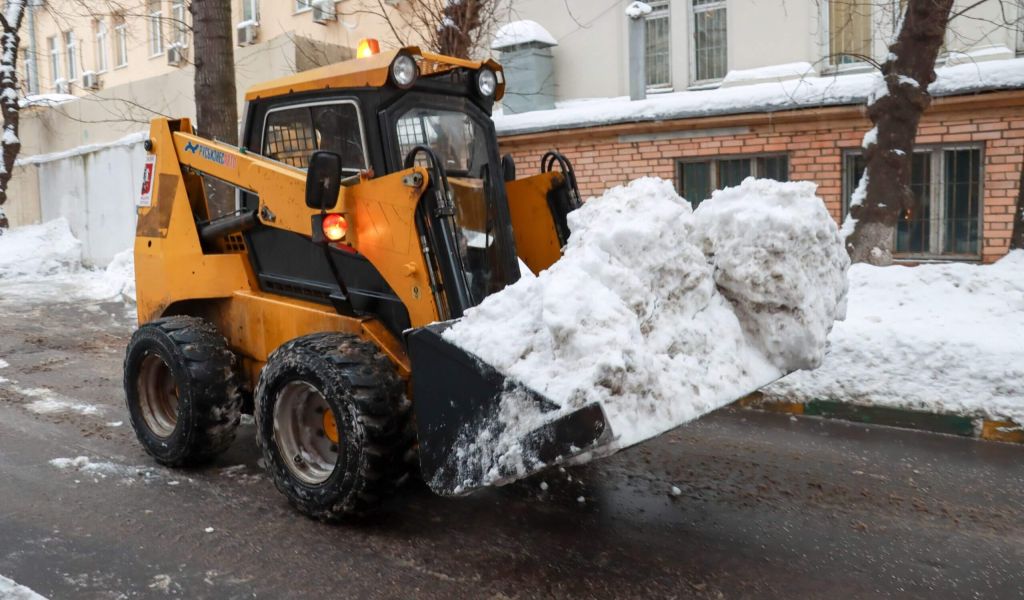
column 769, row 507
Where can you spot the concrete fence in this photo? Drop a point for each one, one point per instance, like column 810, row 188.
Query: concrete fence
column 93, row 187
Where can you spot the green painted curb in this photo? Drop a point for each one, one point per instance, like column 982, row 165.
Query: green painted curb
column 894, row 417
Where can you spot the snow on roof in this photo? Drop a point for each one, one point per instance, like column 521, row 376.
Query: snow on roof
column 805, row 92
column 517, row 33
column 45, row 100
column 129, row 140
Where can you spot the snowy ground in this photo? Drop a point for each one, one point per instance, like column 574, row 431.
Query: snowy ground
column 45, row 261
column 945, row 338
column 9, row 590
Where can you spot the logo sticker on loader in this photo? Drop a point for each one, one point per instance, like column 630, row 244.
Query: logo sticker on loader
column 217, row 156
column 148, row 172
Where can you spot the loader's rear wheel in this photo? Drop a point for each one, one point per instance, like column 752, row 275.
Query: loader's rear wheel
column 181, row 390
column 331, row 421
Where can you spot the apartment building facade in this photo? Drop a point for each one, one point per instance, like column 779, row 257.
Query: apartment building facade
column 775, row 88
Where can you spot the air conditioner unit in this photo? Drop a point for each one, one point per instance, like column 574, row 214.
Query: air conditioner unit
column 90, row 80
column 247, row 31
column 62, row 86
column 175, row 55
column 323, row 11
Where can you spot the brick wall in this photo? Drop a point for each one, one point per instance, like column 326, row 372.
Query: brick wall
column 814, row 141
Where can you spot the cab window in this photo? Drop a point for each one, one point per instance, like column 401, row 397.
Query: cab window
column 290, row 135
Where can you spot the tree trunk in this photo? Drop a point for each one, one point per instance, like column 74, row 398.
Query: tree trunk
column 1017, row 237
column 896, row 110
column 455, row 32
column 216, row 103
column 10, row 21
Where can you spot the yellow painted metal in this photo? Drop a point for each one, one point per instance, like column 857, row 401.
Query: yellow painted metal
column 175, row 275
column 330, row 426
column 366, row 72
column 1002, row 431
column 532, row 222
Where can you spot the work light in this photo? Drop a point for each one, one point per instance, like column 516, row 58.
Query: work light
column 404, row 71
column 486, row 82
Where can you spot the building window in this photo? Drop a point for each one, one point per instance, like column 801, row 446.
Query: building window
column 849, row 31
column 698, row 177
column 180, row 24
column 70, row 48
column 658, row 46
column 251, row 10
column 54, row 48
column 102, row 44
column 290, row 135
column 945, row 220
column 121, row 40
column 301, row 5
column 710, row 49
column 156, row 34
column 1020, row 26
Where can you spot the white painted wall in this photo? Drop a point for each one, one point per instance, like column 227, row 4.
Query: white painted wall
column 96, row 192
column 591, row 59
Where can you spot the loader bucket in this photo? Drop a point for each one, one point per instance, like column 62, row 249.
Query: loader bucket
column 470, row 418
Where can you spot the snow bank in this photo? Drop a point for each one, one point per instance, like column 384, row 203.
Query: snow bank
column 663, row 314
column 39, row 250
column 945, row 338
column 761, row 97
column 46, row 259
column 9, row 590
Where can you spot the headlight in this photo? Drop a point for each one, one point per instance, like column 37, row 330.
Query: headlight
column 486, row 82
column 404, row 71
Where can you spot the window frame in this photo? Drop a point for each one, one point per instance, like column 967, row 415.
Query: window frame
column 708, row 6
column 102, row 45
column 713, row 161
column 308, row 105
column 54, row 47
column 254, row 7
column 662, row 9
column 155, row 29
column 71, row 55
column 826, row 32
column 120, row 42
column 936, row 201
column 179, row 24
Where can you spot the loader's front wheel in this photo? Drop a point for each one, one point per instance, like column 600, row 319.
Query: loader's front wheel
column 181, row 390
column 331, row 421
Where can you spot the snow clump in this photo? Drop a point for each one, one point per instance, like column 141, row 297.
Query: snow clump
column 661, row 313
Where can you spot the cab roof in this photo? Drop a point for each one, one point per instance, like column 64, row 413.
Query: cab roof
column 371, row 71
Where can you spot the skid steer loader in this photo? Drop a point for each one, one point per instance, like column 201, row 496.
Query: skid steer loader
column 373, row 209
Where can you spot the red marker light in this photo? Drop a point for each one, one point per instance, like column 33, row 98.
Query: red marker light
column 335, row 227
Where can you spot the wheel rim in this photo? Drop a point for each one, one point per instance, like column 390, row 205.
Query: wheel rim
column 158, row 396
column 301, row 419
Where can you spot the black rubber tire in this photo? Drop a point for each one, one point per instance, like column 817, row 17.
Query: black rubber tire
column 203, row 369
column 367, row 397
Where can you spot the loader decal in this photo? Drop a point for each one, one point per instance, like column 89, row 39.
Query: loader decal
column 212, row 155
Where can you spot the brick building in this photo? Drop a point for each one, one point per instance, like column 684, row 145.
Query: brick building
column 966, row 173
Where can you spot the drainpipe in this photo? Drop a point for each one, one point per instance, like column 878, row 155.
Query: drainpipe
column 31, row 67
column 637, row 50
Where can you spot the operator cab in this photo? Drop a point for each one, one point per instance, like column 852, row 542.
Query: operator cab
column 383, row 114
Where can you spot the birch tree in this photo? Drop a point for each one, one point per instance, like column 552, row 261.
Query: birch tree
column 10, row 19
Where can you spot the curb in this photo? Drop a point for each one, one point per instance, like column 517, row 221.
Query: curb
column 976, row 427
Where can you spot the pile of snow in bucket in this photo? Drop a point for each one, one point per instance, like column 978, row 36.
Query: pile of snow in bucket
column 37, row 259
column 10, row 590
column 661, row 313
column 940, row 338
